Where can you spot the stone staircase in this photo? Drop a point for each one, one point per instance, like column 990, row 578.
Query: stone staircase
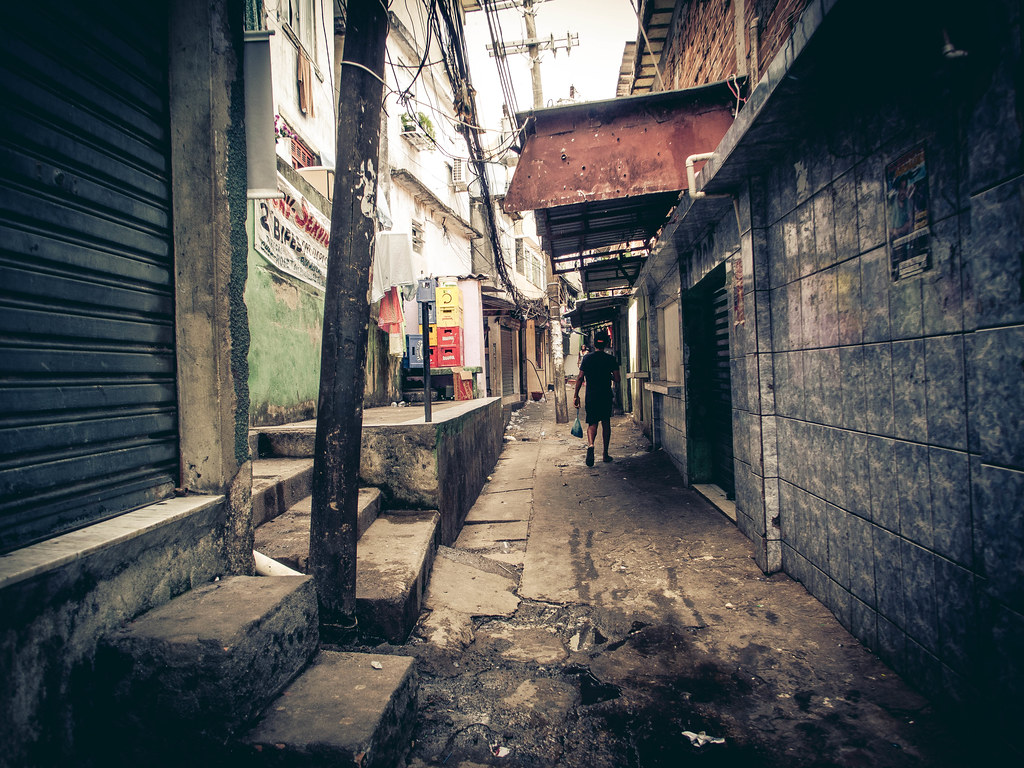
column 232, row 672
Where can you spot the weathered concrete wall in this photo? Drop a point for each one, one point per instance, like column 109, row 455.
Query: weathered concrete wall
column 441, row 465
column 286, row 320
column 60, row 597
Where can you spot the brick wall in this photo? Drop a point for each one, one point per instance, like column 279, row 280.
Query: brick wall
column 701, row 47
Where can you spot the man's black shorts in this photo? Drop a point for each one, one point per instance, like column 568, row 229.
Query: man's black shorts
column 599, row 406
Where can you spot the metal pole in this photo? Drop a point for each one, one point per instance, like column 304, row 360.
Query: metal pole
column 332, row 540
column 425, row 320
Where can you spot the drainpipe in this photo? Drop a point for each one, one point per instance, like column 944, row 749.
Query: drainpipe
column 691, row 177
column 266, row 566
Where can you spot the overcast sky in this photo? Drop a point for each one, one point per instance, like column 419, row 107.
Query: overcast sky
column 603, row 27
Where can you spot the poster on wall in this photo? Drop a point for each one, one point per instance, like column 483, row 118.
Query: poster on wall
column 906, row 196
column 293, row 236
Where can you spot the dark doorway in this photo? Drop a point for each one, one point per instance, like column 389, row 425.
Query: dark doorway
column 708, row 383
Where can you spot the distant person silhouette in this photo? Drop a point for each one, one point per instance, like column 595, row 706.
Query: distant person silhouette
column 599, row 369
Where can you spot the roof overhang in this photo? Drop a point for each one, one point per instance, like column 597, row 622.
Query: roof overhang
column 591, row 313
column 603, row 176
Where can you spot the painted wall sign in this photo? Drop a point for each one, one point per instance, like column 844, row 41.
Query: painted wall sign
column 293, row 236
column 906, row 194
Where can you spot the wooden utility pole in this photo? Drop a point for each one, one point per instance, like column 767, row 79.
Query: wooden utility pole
column 339, row 424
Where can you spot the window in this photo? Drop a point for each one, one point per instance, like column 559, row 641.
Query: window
column 668, row 342
column 521, row 257
column 417, row 236
column 302, row 155
column 301, row 17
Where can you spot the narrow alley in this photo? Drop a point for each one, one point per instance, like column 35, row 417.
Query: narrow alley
column 594, row 616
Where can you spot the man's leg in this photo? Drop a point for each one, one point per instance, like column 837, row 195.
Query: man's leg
column 606, row 435
column 591, row 436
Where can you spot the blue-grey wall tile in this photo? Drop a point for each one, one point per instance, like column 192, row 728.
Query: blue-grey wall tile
column 758, row 202
column 942, row 285
column 805, row 239
column 874, row 275
column 813, row 393
column 921, row 668
column 752, row 383
column 740, row 437
column 995, row 360
column 844, row 208
column 888, row 575
column 738, row 382
column 814, row 466
column 789, row 384
column 870, row 201
column 795, row 320
column 838, row 545
column 885, row 509
column 892, row 643
column 796, row 565
column 861, row 554
column 919, row 595
column 856, row 473
column 828, row 307
column 878, row 388
column 791, row 246
column 817, row 530
column 776, row 255
column 956, row 615
column 831, row 386
column 841, row 604
column 914, row 490
column 760, row 276
column 809, row 336
column 779, row 307
column 825, row 229
column 908, row 384
column 755, row 454
column 852, row 378
column 863, row 623
column 848, row 299
column 993, row 257
column 790, row 523
column 766, row 381
column 945, row 391
column 787, row 462
column 993, row 130
column 906, row 315
column 832, row 460
column 949, row 476
column 999, row 531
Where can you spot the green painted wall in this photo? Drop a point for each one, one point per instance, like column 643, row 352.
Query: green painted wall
column 286, row 327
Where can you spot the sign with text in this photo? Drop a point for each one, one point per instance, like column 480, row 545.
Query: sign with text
column 293, row 236
column 906, row 195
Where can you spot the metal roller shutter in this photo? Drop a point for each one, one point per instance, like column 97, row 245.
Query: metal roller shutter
column 508, row 373
column 88, row 413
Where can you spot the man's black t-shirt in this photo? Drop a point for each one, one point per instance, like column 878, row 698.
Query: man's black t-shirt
column 597, row 369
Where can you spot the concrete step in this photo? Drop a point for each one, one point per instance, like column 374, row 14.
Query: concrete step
column 277, row 484
column 286, row 537
column 342, row 711
column 208, row 661
column 393, row 562
column 295, row 440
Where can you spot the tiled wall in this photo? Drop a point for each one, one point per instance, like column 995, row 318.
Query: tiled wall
column 879, row 423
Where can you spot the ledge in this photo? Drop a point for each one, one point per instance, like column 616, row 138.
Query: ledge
column 667, row 388
column 23, row 564
column 638, row 375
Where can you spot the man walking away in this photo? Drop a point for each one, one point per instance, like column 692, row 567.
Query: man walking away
column 599, row 370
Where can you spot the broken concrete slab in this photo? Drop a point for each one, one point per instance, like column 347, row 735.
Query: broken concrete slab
column 521, row 644
column 347, row 709
column 470, row 590
column 393, row 562
column 446, row 629
column 210, row 660
column 489, row 535
column 502, row 506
